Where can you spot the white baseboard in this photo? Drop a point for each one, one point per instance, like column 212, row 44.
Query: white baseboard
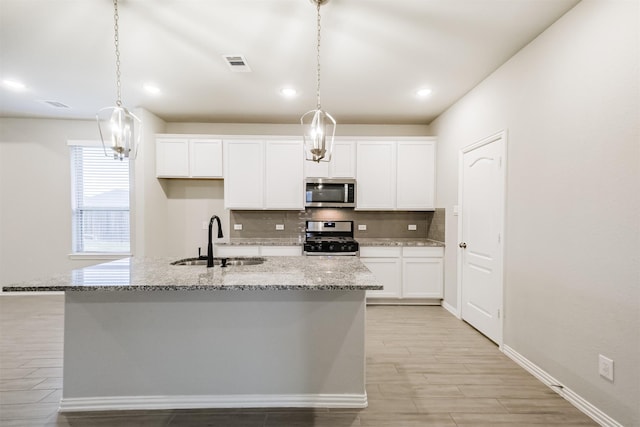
column 576, row 400
column 451, row 309
column 123, row 403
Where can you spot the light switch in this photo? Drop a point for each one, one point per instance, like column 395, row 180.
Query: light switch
column 237, row 226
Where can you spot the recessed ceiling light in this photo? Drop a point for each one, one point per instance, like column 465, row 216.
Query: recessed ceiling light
column 14, row 84
column 423, row 93
column 152, row 89
column 288, row 92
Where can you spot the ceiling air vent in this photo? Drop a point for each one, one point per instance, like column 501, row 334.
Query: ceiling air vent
column 56, row 104
column 237, row 63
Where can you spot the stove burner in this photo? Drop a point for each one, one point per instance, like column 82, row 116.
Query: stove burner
column 330, row 238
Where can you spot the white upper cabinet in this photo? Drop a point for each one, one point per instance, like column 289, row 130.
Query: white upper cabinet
column 172, row 158
column 342, row 164
column 283, row 175
column 396, row 175
column 244, row 174
column 376, row 175
column 188, row 157
column 263, row 174
column 415, row 189
column 205, row 158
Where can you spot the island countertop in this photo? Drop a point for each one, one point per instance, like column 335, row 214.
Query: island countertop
column 149, row 274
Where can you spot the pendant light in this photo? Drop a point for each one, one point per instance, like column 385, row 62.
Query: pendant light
column 119, row 130
column 318, row 126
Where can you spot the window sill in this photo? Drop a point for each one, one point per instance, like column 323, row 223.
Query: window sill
column 99, row 256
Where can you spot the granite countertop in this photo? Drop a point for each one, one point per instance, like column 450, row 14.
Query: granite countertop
column 149, row 274
column 264, row 241
column 363, row 241
column 398, row 242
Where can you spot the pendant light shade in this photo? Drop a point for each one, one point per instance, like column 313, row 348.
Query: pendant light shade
column 319, row 133
column 319, row 127
column 119, row 129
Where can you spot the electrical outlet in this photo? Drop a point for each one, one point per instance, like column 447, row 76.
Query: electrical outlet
column 362, row 227
column 237, row 226
column 205, row 225
column 412, row 227
column 605, row 367
column 279, row 226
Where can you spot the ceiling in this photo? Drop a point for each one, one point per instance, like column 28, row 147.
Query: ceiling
column 375, row 54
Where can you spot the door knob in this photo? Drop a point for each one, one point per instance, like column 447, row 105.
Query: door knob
column 463, row 245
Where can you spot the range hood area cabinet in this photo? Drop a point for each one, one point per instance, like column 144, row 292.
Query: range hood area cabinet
column 263, row 174
column 342, row 164
column 396, row 175
column 186, row 157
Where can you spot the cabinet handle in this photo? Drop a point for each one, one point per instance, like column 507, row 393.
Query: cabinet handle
column 463, row 245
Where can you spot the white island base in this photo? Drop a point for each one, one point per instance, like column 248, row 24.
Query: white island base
column 170, row 349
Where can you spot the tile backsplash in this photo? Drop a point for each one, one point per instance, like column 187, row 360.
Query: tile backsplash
column 379, row 224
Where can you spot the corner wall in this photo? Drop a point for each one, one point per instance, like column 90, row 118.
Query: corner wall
column 570, row 102
column 35, row 196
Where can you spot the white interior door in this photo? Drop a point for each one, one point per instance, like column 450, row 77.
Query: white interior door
column 482, row 184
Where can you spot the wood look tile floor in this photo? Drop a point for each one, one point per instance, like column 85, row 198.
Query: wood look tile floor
column 424, row 368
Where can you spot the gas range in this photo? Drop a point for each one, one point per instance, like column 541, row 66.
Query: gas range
column 330, row 238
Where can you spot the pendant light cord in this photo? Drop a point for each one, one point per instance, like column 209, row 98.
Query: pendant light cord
column 117, row 44
column 318, row 55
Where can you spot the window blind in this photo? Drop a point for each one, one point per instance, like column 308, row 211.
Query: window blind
column 100, row 201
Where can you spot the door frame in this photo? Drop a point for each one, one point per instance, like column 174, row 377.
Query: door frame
column 484, row 141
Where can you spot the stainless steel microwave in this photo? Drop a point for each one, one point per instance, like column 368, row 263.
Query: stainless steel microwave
column 330, row 193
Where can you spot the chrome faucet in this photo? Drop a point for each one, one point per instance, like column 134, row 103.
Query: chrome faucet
column 210, row 246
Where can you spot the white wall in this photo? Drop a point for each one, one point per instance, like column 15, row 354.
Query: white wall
column 35, row 196
column 570, row 102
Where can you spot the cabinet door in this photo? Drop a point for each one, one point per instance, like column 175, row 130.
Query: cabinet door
column 205, row 158
column 281, row 250
column 387, row 271
column 244, row 174
column 422, row 278
column 376, row 175
column 415, row 175
column 236, row 250
column 316, row 169
column 172, row 158
column 343, row 160
column 284, row 175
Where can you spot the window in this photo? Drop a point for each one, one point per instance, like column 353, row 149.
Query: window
column 100, row 201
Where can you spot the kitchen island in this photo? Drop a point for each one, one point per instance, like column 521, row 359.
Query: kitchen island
column 145, row 334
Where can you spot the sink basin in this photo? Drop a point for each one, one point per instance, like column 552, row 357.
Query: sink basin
column 219, row 261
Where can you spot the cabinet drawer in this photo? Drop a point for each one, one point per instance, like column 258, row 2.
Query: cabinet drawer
column 380, row 251
column 240, row 250
column 422, row 251
column 280, row 250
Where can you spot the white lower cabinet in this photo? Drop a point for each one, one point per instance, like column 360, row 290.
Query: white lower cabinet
column 408, row 274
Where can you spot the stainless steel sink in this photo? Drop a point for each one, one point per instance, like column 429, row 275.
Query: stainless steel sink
column 221, row 261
